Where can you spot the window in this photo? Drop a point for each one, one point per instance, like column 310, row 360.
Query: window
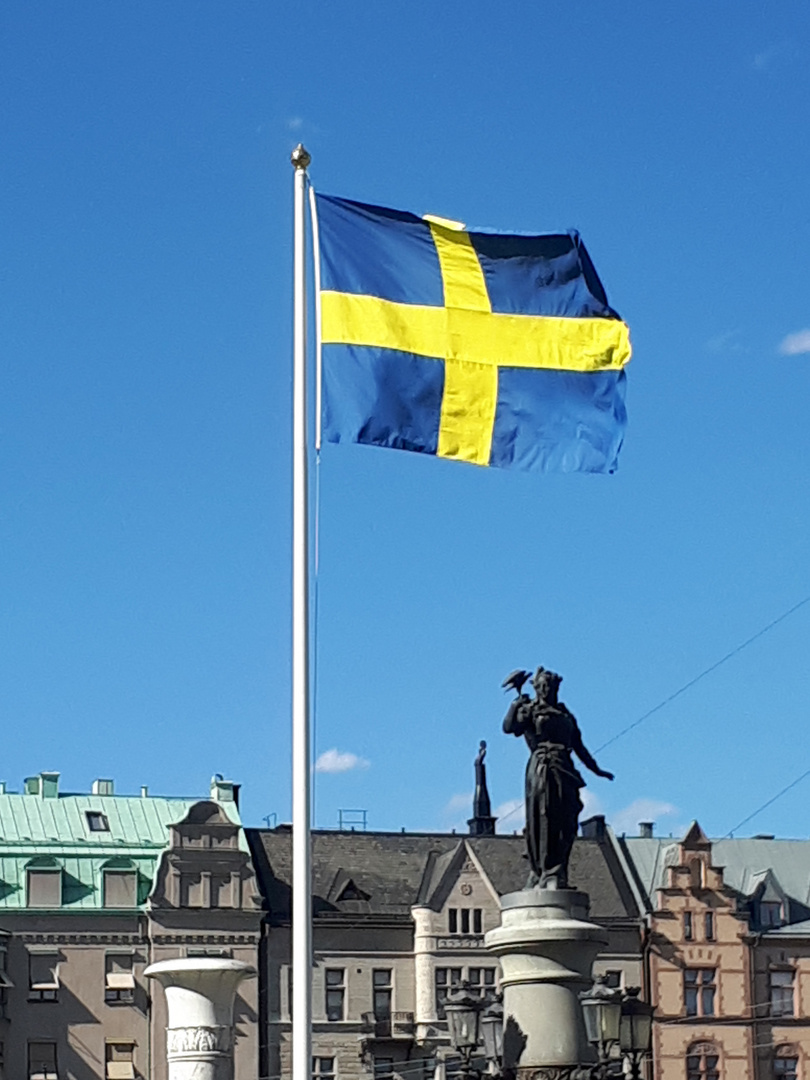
column 698, row 991
column 42, row 1061
column 120, row 1061
column 696, row 873
column 708, row 925
column 45, row 888
column 381, row 983
column 323, row 1068
column 43, row 977
column 687, row 926
column 120, row 888
column 447, row 979
column 119, row 980
column 613, row 979
column 702, row 1062
column 786, row 1063
column 97, row 822
column 781, row 993
column 465, row 920
column 482, row 980
column 383, row 1068
column 335, row 993
column 770, row 913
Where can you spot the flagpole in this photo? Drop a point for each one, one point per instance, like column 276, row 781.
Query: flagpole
column 302, row 877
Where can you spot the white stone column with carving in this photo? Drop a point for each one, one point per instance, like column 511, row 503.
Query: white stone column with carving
column 200, row 994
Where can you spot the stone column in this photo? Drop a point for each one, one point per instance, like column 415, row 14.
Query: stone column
column 547, row 948
column 424, row 942
column 200, row 994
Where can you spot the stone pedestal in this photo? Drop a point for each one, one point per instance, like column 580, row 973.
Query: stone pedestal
column 547, row 948
column 199, row 995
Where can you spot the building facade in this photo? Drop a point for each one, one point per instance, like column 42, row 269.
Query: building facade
column 728, row 954
column 399, row 920
column 93, row 888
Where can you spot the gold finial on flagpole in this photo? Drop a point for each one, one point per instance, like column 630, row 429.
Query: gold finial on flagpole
column 300, row 157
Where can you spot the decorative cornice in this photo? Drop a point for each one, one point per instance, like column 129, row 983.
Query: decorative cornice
column 82, row 939
column 205, row 939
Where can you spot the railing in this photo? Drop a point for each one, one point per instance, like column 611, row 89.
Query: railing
column 397, row 1025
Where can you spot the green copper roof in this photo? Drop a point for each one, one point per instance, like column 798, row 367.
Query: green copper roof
column 54, row 832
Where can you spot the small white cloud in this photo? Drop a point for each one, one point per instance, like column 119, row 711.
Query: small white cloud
column 457, row 803
column 511, row 815
column 295, row 123
column 727, row 342
column 591, row 804
column 627, row 820
column 339, row 761
column 797, row 343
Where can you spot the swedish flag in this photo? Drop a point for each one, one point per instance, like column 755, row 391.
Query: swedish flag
column 481, row 347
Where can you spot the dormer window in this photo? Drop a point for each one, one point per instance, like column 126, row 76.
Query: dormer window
column 44, row 888
column 770, row 914
column 96, row 821
column 120, row 888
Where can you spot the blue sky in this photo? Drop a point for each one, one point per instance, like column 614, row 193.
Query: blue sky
column 145, row 321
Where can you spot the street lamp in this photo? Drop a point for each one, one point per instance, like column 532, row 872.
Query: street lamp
column 492, row 1033
column 635, row 1029
column 463, row 1010
column 601, row 1009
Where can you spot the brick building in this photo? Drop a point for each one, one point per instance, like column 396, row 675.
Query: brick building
column 728, row 954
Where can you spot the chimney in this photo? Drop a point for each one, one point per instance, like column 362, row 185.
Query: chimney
column 645, row 829
column 102, row 787
column 221, row 790
column 593, row 828
column 144, row 791
column 49, row 785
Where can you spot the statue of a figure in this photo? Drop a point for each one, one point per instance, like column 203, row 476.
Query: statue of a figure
column 481, row 804
column 553, row 804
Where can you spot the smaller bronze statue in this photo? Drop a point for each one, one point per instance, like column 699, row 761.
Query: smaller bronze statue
column 553, row 804
column 481, row 803
column 482, row 823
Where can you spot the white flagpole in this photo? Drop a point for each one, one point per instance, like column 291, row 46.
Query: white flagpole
column 302, row 876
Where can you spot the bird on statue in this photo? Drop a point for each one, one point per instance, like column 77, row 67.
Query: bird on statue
column 516, row 680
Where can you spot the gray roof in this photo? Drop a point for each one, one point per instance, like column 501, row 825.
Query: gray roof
column 396, row 871
column 745, row 863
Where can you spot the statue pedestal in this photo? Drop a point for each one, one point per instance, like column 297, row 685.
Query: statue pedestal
column 200, row 995
column 547, row 948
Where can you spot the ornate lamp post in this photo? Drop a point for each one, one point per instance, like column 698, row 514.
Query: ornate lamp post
column 463, row 1010
column 492, row 1034
column 635, row 1030
column 602, row 1009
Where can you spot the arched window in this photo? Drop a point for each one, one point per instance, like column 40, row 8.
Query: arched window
column 786, row 1062
column 703, row 1061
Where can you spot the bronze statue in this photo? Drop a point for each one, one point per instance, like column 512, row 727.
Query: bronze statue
column 553, row 804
